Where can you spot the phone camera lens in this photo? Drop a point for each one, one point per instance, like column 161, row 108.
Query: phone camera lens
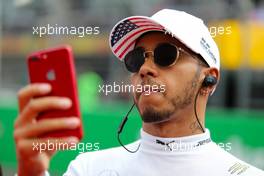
column 34, row 58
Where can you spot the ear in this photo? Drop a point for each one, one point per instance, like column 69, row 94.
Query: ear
column 210, row 72
column 214, row 72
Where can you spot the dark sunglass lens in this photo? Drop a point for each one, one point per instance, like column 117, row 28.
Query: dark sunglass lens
column 165, row 54
column 134, row 60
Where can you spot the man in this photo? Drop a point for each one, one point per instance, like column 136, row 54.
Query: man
column 173, row 54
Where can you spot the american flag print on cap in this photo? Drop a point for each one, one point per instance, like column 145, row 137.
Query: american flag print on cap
column 123, row 36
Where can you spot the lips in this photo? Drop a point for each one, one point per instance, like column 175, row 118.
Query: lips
column 148, row 89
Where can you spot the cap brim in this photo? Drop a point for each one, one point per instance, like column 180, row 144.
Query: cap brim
column 125, row 33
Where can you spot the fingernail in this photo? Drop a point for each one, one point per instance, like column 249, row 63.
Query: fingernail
column 73, row 122
column 44, row 87
column 65, row 103
column 72, row 140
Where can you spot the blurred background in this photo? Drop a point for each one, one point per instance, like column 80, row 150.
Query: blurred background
column 235, row 112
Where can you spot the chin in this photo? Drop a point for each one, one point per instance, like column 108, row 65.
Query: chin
column 154, row 108
column 152, row 114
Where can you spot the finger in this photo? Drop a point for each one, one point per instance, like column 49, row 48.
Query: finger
column 40, row 163
column 35, row 106
column 25, row 94
column 46, row 125
column 31, row 147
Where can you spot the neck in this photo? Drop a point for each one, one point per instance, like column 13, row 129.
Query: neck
column 172, row 146
column 180, row 124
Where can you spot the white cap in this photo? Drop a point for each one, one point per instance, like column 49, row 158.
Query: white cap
column 187, row 28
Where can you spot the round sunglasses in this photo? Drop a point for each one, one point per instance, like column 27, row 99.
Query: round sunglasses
column 164, row 55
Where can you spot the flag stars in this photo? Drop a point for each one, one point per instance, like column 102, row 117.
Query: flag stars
column 121, row 30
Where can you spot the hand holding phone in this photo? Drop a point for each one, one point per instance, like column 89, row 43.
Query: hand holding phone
column 48, row 110
column 56, row 67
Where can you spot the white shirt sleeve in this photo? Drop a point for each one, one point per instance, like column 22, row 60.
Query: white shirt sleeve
column 79, row 166
column 74, row 169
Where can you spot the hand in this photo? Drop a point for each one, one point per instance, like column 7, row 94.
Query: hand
column 27, row 129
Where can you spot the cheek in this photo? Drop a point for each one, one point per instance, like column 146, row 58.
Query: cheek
column 176, row 82
column 172, row 87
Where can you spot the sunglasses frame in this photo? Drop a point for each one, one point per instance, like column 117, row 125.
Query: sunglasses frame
column 179, row 49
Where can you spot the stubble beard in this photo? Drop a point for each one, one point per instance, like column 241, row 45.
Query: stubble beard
column 153, row 115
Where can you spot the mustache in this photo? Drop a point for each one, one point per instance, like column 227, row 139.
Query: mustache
column 150, row 82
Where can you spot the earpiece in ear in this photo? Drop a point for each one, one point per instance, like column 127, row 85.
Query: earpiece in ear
column 209, row 81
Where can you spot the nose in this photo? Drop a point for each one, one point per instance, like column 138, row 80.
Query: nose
column 148, row 68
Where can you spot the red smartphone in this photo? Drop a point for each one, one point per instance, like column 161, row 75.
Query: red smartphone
column 56, row 67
